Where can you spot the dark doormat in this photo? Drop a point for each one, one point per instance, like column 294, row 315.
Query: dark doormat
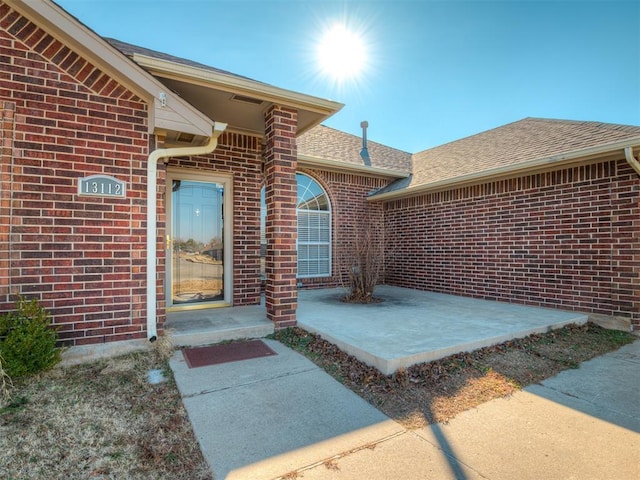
column 228, row 352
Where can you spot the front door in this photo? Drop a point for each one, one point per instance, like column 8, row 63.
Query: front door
column 197, row 242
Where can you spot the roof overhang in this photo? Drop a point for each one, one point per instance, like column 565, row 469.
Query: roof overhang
column 309, row 161
column 237, row 101
column 168, row 113
column 603, row 152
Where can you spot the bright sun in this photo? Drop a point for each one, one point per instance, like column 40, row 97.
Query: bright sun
column 341, row 53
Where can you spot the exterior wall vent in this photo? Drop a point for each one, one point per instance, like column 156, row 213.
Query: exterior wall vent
column 245, row 99
column 185, row 137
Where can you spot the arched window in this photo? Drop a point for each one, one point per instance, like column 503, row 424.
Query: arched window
column 314, row 229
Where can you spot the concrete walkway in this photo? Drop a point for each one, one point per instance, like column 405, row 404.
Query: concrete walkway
column 261, row 418
column 265, row 418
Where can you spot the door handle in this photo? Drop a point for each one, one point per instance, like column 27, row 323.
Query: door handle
column 168, row 243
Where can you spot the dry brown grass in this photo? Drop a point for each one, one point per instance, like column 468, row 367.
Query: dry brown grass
column 99, row 420
column 437, row 391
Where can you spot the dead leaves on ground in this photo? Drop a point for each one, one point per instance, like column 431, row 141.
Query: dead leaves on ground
column 437, row 391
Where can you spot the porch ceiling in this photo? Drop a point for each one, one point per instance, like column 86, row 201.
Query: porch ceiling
column 235, row 100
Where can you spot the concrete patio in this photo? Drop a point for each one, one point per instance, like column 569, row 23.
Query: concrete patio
column 411, row 326
column 407, row 327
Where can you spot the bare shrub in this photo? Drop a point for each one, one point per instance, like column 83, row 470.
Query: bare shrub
column 163, row 348
column 6, row 385
column 364, row 261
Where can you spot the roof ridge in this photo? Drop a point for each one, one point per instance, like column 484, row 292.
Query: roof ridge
column 579, row 122
column 359, row 138
column 533, row 120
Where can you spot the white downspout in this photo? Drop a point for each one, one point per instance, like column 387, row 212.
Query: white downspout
column 152, row 183
column 628, row 153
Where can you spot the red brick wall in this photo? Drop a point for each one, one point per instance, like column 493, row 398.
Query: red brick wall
column 566, row 239
column 83, row 257
column 239, row 155
column 350, row 211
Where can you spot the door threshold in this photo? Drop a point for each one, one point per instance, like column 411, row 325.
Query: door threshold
column 204, row 327
column 197, row 306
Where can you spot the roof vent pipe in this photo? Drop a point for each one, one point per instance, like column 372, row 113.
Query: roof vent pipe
column 364, row 153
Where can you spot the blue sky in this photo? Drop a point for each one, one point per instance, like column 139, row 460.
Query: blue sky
column 436, row 70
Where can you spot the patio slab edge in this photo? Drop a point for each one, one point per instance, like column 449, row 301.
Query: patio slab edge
column 388, row 366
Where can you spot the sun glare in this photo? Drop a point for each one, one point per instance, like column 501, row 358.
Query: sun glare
column 341, row 53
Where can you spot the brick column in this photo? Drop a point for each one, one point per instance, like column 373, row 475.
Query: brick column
column 281, row 296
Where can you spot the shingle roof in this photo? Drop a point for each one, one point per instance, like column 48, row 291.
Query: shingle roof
column 509, row 145
column 129, row 50
column 330, row 144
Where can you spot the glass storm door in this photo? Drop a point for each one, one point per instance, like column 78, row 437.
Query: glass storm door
column 197, row 242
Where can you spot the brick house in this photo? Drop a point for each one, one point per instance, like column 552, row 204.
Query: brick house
column 134, row 183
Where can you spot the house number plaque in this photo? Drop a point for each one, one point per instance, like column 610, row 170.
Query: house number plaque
column 101, row 186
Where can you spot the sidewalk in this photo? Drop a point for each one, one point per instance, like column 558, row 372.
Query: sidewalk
column 264, row 418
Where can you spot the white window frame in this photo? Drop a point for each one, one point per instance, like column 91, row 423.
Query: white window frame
column 328, row 234
column 319, row 214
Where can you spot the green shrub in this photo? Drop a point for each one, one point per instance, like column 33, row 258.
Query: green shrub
column 27, row 341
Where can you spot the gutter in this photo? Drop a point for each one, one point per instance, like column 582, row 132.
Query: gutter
column 628, row 154
column 152, row 183
column 500, row 172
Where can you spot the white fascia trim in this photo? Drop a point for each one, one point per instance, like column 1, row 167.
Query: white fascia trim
column 511, row 170
column 233, row 84
column 58, row 23
column 335, row 165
